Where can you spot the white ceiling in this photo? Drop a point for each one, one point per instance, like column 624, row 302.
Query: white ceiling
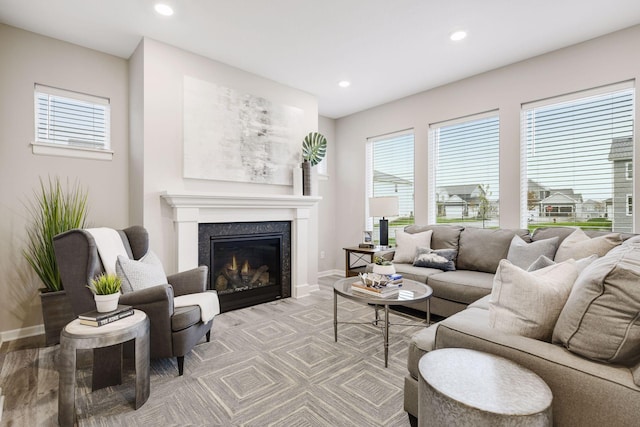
column 388, row 49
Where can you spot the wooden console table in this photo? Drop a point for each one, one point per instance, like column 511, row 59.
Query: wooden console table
column 355, row 258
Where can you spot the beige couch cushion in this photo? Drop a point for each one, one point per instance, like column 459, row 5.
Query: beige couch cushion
column 419, row 274
column 481, row 249
column 578, row 245
column 462, row 286
column 601, row 319
column 529, row 303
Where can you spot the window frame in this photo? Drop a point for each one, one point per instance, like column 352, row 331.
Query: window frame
column 369, row 175
column 558, row 101
column 432, row 185
column 62, row 149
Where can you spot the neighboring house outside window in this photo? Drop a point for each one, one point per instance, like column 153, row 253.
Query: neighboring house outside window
column 577, row 160
column 464, row 171
column 390, row 172
column 629, row 204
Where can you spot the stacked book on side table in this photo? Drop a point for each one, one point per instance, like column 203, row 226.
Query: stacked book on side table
column 378, row 285
column 95, row 318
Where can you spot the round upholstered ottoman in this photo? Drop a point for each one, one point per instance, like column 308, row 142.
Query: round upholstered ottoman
column 469, row 388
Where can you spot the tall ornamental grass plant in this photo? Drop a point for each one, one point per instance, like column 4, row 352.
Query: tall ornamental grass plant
column 52, row 211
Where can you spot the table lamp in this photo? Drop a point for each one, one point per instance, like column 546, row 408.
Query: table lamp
column 384, row 207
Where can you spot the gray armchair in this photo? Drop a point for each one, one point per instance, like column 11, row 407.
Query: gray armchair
column 174, row 331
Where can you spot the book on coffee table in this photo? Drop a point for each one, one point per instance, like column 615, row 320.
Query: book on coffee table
column 96, row 318
column 368, row 291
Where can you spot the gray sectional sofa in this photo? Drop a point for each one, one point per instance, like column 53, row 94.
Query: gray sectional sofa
column 479, row 252
column 588, row 389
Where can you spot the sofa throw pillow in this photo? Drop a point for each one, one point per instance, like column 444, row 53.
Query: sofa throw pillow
column 142, row 274
column 442, row 259
column 601, row 319
column 578, row 245
column 541, row 262
column 523, row 254
column 407, row 244
column 544, row 261
column 529, row 303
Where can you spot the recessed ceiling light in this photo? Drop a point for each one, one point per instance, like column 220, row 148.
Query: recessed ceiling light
column 458, row 35
column 344, row 83
column 163, row 9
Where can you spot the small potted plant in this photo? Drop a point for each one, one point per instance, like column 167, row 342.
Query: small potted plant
column 383, row 266
column 106, row 290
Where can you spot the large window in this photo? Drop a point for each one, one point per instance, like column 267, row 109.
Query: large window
column 70, row 120
column 390, row 173
column 577, row 164
column 464, row 171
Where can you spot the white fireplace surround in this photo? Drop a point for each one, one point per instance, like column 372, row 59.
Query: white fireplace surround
column 191, row 209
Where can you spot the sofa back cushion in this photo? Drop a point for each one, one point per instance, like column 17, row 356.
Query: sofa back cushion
column 543, row 233
column 443, row 237
column 563, row 232
column 601, row 319
column 481, row 249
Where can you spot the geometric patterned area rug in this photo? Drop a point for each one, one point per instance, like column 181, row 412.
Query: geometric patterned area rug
column 274, row 364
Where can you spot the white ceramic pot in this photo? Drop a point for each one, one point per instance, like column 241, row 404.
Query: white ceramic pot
column 386, row 270
column 106, row 303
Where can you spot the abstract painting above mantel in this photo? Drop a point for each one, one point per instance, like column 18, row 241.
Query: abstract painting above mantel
column 231, row 136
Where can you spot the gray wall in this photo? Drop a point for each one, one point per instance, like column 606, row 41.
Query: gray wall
column 605, row 60
column 28, row 58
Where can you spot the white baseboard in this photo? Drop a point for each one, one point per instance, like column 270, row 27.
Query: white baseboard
column 21, row 333
column 334, row 272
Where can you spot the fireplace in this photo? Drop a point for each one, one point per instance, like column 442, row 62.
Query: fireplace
column 249, row 263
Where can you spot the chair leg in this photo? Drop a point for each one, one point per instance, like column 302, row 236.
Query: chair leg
column 209, row 336
column 180, row 365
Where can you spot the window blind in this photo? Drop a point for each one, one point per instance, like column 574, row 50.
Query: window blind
column 71, row 118
column 578, row 160
column 464, row 171
column 390, row 172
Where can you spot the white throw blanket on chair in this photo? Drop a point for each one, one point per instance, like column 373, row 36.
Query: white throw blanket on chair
column 208, row 302
column 109, row 246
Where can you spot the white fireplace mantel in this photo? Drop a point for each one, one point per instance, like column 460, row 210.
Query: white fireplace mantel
column 191, row 209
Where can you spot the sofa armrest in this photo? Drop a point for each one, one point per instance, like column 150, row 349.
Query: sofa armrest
column 190, row 281
column 155, row 301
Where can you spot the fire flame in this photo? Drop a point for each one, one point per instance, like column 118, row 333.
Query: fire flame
column 234, row 264
column 245, row 268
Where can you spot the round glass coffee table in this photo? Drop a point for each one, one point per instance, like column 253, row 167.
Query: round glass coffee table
column 410, row 292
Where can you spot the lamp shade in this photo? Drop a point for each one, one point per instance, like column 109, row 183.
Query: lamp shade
column 384, row 206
